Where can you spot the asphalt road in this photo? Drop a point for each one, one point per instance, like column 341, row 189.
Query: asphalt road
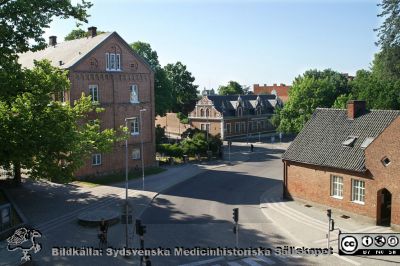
column 198, row 212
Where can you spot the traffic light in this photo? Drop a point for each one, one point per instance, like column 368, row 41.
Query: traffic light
column 332, row 225
column 236, row 215
column 234, row 229
column 329, row 213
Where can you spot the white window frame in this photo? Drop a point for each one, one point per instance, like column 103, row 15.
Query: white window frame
column 228, row 128
column 135, row 129
column 136, row 154
column 96, row 159
column 358, row 191
column 113, row 62
column 94, row 92
column 237, row 127
column 337, row 187
column 134, row 94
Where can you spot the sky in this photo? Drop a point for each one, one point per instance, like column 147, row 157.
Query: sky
column 251, row 42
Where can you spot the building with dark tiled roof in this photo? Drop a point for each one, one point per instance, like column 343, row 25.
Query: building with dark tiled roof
column 120, row 81
column 348, row 159
column 234, row 115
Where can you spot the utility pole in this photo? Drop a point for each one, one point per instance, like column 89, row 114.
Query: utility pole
column 141, row 230
column 236, row 226
column 141, row 145
column 329, row 214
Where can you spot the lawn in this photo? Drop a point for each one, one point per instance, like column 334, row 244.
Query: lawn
column 120, row 177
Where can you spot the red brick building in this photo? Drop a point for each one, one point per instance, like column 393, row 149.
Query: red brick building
column 282, row 90
column 105, row 67
column 234, row 115
column 349, row 160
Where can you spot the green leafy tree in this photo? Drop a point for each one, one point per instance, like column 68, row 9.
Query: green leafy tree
column 342, row 100
column 47, row 137
column 184, row 92
column 78, row 33
column 378, row 92
column 386, row 63
column 311, row 90
column 233, row 88
column 162, row 85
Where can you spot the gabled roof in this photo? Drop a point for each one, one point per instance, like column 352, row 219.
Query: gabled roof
column 72, row 52
column 226, row 103
column 323, row 139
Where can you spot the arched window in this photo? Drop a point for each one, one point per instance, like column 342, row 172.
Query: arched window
column 207, row 112
column 201, row 112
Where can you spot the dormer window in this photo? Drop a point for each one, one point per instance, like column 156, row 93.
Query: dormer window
column 349, row 142
column 258, row 110
column 113, row 62
column 239, row 111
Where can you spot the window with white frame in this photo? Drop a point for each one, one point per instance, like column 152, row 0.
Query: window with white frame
column 96, row 159
column 237, row 127
column 357, row 191
column 113, row 61
column 136, row 154
column 205, row 127
column 239, row 111
column 337, row 186
column 134, row 94
column 135, row 126
column 228, row 128
column 94, row 92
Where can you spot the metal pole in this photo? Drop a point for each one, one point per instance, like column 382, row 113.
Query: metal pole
column 141, row 145
column 126, row 185
column 229, row 152
column 237, row 235
column 329, row 232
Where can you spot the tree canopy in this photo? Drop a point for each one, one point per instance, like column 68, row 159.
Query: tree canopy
column 162, row 85
column 311, row 90
column 78, row 33
column 47, row 137
column 184, row 92
column 233, row 88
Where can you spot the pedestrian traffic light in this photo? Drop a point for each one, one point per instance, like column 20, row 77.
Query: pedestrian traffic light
column 329, row 213
column 236, row 215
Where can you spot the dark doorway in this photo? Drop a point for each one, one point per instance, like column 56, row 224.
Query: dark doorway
column 385, row 204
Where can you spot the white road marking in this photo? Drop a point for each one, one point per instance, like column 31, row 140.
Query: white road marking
column 346, row 259
column 265, row 259
column 202, row 262
column 232, row 263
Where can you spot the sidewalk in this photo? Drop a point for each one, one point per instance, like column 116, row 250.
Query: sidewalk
column 53, row 210
column 306, row 225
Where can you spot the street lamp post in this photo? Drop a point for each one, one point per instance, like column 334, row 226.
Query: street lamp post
column 141, row 146
column 126, row 181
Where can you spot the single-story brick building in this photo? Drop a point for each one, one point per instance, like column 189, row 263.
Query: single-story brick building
column 349, row 160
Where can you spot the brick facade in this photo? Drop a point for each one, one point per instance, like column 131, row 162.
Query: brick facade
column 114, row 97
column 171, row 123
column 282, row 90
column 239, row 123
column 313, row 183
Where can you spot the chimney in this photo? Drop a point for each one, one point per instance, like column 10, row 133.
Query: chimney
column 355, row 109
column 92, row 31
column 52, row 40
